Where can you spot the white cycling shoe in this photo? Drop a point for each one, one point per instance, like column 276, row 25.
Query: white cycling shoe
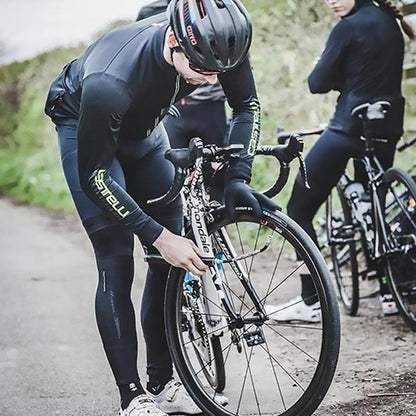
column 175, row 399
column 142, row 405
column 294, row 310
column 388, row 305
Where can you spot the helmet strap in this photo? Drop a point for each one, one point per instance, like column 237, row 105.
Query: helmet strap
column 174, row 49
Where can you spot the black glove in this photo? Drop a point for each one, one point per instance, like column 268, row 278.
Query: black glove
column 239, row 194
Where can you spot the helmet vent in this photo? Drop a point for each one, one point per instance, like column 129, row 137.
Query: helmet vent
column 231, row 44
column 220, row 4
column 186, row 14
column 201, row 8
column 214, row 49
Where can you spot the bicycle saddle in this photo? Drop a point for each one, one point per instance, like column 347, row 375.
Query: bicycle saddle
column 375, row 111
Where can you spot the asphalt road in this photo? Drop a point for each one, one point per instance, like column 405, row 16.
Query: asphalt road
column 51, row 358
column 52, row 361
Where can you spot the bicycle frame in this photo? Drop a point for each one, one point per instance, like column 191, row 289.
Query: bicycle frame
column 381, row 245
column 375, row 175
column 199, row 211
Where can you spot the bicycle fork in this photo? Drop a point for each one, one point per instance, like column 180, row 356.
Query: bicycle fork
column 253, row 335
column 218, row 305
column 212, row 282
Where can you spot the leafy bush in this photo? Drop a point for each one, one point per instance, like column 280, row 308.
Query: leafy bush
column 288, row 36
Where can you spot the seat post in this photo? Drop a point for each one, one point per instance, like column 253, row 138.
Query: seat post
column 367, row 136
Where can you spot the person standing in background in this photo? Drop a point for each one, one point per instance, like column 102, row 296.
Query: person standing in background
column 363, row 61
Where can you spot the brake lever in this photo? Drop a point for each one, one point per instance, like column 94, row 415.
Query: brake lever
column 303, row 171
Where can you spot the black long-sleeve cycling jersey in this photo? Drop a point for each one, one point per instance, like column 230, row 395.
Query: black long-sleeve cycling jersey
column 363, row 60
column 119, row 90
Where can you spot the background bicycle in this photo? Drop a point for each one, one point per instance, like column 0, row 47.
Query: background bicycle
column 377, row 228
column 366, row 234
column 217, row 324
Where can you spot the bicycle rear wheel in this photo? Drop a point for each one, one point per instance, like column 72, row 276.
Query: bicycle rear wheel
column 272, row 368
column 344, row 239
column 400, row 217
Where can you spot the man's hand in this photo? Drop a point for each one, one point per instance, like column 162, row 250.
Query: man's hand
column 238, row 193
column 180, row 252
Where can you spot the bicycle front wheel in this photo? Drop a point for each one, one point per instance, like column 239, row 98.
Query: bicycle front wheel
column 272, row 367
column 399, row 199
column 344, row 238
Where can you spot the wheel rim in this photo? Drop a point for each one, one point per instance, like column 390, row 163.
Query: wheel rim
column 400, row 218
column 344, row 259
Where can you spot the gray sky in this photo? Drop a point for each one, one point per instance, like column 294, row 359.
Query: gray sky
column 29, row 27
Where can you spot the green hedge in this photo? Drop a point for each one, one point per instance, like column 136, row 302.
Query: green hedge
column 288, row 36
column 29, row 162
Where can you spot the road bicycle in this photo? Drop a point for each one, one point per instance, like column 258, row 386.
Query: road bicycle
column 372, row 233
column 217, row 327
column 379, row 226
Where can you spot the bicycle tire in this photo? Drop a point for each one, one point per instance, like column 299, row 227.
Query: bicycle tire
column 399, row 199
column 219, row 364
column 344, row 255
column 292, row 382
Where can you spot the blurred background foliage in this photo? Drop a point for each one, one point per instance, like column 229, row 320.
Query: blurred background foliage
column 288, row 37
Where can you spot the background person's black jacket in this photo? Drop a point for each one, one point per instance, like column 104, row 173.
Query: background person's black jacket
column 363, row 60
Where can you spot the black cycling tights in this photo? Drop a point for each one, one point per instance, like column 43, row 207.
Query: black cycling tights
column 325, row 163
column 115, row 315
column 114, row 311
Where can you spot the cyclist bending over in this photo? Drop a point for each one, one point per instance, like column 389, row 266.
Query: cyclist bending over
column 363, row 60
column 107, row 105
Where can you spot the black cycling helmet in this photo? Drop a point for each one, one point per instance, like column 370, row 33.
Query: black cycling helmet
column 215, row 35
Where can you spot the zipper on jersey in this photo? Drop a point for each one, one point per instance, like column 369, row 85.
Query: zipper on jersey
column 173, row 99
